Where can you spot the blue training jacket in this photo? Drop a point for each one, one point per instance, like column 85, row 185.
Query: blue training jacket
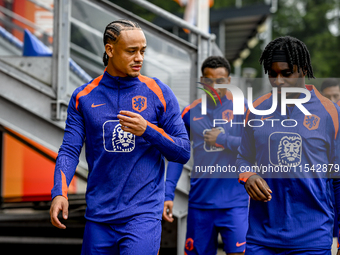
column 126, row 172
column 300, row 213
column 219, row 190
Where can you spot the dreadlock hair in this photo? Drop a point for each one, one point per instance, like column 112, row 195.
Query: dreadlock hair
column 296, row 52
column 112, row 33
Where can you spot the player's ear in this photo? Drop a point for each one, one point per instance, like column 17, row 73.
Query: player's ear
column 109, row 49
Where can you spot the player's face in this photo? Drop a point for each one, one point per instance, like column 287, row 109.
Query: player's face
column 127, row 54
column 212, row 76
column 280, row 76
column 332, row 93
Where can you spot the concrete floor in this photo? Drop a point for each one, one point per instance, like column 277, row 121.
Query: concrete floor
column 220, row 252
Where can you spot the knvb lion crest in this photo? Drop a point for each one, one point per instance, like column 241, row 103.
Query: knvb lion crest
column 139, row 103
column 227, row 115
column 115, row 139
column 121, row 140
column 289, row 151
column 311, row 122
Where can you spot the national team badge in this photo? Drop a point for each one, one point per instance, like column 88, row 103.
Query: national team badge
column 227, row 115
column 285, row 149
column 189, row 244
column 311, row 122
column 139, row 103
column 115, row 139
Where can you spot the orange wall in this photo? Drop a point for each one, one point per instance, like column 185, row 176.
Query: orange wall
column 12, row 167
column 25, row 171
column 29, row 11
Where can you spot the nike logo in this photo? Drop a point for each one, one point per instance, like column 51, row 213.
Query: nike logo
column 240, row 244
column 267, row 117
column 96, row 105
column 194, row 119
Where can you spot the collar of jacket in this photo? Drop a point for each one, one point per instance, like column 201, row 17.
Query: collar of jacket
column 118, row 82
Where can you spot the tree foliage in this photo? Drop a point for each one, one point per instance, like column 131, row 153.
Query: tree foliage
column 307, row 21
column 303, row 19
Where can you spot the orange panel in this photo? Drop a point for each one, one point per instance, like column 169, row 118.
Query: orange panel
column 19, row 7
column 39, row 16
column 12, row 167
column 27, row 172
column 37, row 172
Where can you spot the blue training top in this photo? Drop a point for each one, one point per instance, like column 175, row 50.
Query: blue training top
column 126, row 172
column 218, row 190
column 300, row 213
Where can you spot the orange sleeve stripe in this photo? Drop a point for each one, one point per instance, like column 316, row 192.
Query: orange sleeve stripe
column 258, row 102
column 247, row 116
column 63, row 184
column 160, row 131
column 186, row 109
column 330, row 108
column 88, row 89
column 195, row 103
column 244, row 176
column 152, row 84
column 229, row 96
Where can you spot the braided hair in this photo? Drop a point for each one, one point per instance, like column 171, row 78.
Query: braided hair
column 112, row 33
column 296, row 51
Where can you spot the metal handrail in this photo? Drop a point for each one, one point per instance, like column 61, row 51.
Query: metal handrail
column 42, row 5
column 86, row 27
column 173, row 18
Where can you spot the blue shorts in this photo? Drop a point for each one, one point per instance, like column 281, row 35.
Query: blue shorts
column 203, row 226
column 254, row 249
column 140, row 236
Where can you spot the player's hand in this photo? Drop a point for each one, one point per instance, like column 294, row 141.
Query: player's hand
column 338, row 253
column 132, row 122
column 59, row 203
column 211, row 136
column 258, row 188
column 167, row 211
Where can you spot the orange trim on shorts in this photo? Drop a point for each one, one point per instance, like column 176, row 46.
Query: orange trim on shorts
column 244, row 176
column 88, row 89
column 257, row 102
column 152, row 84
column 329, row 106
column 159, row 130
column 194, row 104
column 63, row 184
